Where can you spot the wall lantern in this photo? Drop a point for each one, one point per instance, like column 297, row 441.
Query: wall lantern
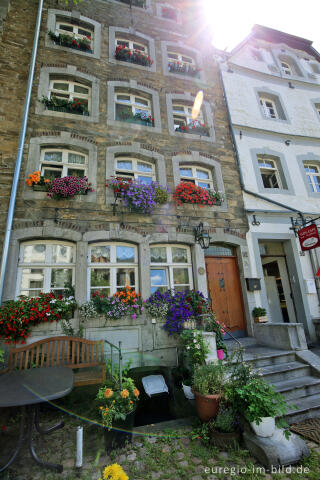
column 202, row 236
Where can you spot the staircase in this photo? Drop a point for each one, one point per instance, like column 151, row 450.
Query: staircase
column 292, row 376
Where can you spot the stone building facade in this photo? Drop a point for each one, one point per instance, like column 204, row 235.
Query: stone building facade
column 272, row 84
column 90, row 223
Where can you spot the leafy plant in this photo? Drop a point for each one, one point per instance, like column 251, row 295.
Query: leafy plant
column 77, row 105
column 124, row 302
column 196, row 349
column 226, row 421
column 66, row 187
column 125, row 54
column 211, row 324
column 1, row 356
column 259, row 312
column 210, row 379
column 187, row 192
column 70, row 41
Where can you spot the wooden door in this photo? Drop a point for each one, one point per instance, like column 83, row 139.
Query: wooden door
column 225, row 291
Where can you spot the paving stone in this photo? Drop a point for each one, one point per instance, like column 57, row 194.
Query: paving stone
column 196, row 460
column 69, row 463
column 142, row 452
column 156, row 475
column 152, row 439
column 139, row 465
column 224, row 454
column 212, row 461
column 197, row 477
column 200, row 469
column 166, row 449
column 180, row 456
column 185, row 441
column 211, row 477
column 131, row 457
column 184, row 463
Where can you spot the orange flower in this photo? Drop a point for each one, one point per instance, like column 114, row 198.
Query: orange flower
column 108, row 393
column 125, row 393
column 136, row 392
column 131, row 401
column 46, row 180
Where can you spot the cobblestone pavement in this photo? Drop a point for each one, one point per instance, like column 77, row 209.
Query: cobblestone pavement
column 166, row 455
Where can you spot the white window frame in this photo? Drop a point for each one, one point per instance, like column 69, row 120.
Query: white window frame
column 286, row 68
column 169, row 266
column 46, row 266
column 112, row 266
column 180, row 58
column 75, row 31
column 194, row 178
column 134, row 172
column 269, row 111
column 185, row 116
column 135, row 107
column 270, row 170
column 310, row 176
column 70, row 94
column 56, row 166
column 131, row 44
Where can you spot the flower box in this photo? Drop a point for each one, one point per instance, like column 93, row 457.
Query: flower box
column 135, row 3
column 183, row 69
column 188, row 192
column 69, row 41
column 68, row 187
column 138, row 118
column 76, row 106
column 263, row 319
column 202, row 130
column 125, row 54
column 39, row 188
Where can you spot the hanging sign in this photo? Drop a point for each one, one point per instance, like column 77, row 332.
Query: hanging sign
column 309, row 237
column 318, row 273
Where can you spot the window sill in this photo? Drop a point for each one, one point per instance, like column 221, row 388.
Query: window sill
column 29, row 194
column 40, row 110
column 134, row 126
column 92, row 54
column 192, row 136
column 152, row 68
column 192, row 207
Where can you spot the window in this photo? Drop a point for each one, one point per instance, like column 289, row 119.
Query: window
column 57, row 162
column 268, row 108
column 269, row 173
column 313, row 175
column 182, row 64
column 317, row 105
column 256, row 54
column 68, row 90
column 182, row 118
column 200, row 176
column 134, row 3
column 133, row 108
column 181, row 58
column 45, row 267
column 286, row 69
column 132, row 45
column 112, row 267
column 315, row 68
column 171, row 268
column 128, row 167
column 76, row 31
column 169, row 13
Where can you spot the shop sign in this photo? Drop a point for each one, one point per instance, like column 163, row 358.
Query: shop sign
column 309, row 237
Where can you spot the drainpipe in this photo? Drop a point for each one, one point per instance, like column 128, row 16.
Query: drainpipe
column 257, row 195
column 22, row 137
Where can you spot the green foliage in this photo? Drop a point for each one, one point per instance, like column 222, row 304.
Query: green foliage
column 1, row 356
column 226, row 420
column 211, row 324
column 259, row 312
column 210, row 379
column 195, row 347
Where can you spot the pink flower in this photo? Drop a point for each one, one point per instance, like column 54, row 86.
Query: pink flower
column 134, row 316
column 142, row 308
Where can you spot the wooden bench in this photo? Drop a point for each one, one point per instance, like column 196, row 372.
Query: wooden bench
column 71, row 352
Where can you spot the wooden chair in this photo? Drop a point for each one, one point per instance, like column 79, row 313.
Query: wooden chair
column 71, row 352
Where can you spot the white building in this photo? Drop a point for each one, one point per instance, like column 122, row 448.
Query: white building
column 272, row 86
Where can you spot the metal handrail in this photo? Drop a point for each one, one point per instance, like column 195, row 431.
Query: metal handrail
column 120, row 359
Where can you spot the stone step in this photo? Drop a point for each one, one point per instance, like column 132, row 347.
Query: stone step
column 284, row 371
column 265, row 359
column 307, row 407
column 296, row 388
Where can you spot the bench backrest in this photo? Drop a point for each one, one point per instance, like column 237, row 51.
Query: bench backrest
column 61, row 351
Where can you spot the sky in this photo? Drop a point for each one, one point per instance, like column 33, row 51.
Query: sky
column 232, row 20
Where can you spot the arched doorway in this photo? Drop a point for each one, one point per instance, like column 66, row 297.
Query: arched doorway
column 224, row 287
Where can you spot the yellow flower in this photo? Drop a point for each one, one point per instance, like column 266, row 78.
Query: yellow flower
column 108, row 393
column 136, row 392
column 125, row 393
column 114, row 472
column 101, row 408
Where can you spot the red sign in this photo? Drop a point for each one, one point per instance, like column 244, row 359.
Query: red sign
column 309, row 237
column 318, row 273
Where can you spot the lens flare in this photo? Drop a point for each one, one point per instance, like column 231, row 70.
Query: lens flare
column 197, row 105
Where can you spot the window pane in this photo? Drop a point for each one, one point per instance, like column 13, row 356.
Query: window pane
column 104, row 291
column 30, row 293
column 84, row 32
column 125, row 254
column 123, row 98
column 123, row 112
column 61, row 86
column 51, row 173
column 202, row 174
column 204, row 185
column 67, row 28
column 141, row 101
column 124, row 164
column 180, row 276
column 220, row 250
column 186, row 59
column 144, row 167
column 136, row 46
column 125, row 276
column 79, row 89
column 100, row 254
column 178, row 108
column 158, row 255
column 74, row 172
column 34, row 253
column 158, row 278
column 76, row 158
column 179, row 255
column 62, row 254
column 32, row 278
column 100, row 277
column 143, row 179
column 60, row 276
column 173, row 55
column 186, row 172
column 123, row 42
column 53, row 156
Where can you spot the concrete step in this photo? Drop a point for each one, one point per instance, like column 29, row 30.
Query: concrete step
column 307, row 407
column 284, row 371
column 261, row 358
column 296, row 388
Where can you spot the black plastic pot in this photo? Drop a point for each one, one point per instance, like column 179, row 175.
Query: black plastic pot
column 120, row 433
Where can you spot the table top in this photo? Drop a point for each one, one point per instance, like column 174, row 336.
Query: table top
column 34, row 385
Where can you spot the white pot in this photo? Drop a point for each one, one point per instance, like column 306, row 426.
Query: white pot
column 266, row 427
column 187, row 392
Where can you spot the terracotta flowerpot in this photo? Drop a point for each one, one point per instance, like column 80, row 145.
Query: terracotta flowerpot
column 223, row 439
column 207, row 406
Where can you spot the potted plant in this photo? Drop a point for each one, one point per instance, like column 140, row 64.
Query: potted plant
column 208, row 386
column 70, row 41
column 259, row 315
column 118, row 403
column 213, row 325
column 68, row 187
column 37, row 181
column 224, row 429
column 187, row 192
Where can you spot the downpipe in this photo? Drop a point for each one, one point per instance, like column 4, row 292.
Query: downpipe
column 23, row 129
